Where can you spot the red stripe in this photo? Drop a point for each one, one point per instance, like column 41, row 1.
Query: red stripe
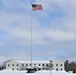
column 38, row 7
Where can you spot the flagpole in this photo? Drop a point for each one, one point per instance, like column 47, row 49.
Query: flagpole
column 31, row 36
column 39, row 8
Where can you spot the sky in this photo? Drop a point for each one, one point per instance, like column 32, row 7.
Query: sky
column 53, row 30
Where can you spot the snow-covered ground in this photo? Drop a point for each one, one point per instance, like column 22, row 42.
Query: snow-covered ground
column 10, row 72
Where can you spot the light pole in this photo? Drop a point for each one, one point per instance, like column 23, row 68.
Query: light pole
column 51, row 65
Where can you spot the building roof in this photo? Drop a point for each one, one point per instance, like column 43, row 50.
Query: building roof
column 57, row 61
column 35, row 61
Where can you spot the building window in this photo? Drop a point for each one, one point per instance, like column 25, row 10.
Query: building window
column 8, row 64
column 42, row 64
column 39, row 69
column 12, row 64
column 61, row 69
column 30, row 64
column 39, row 64
column 22, row 64
column 12, row 69
column 56, row 64
column 57, row 69
column 61, row 65
column 17, row 69
column 46, row 64
column 17, row 64
column 34, row 64
column 26, row 64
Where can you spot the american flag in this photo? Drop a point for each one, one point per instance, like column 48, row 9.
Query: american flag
column 36, row 7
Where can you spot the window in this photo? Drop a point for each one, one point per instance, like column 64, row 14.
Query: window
column 56, row 64
column 46, row 64
column 57, row 69
column 34, row 64
column 17, row 69
column 12, row 69
column 30, row 64
column 12, row 64
column 22, row 64
column 61, row 65
column 42, row 64
column 17, row 64
column 8, row 64
column 39, row 69
column 26, row 64
column 39, row 64
column 61, row 69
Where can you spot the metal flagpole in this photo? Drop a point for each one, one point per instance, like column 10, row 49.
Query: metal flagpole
column 40, row 8
column 31, row 36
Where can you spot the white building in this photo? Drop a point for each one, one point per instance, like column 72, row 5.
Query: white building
column 40, row 65
column 22, row 65
column 58, row 65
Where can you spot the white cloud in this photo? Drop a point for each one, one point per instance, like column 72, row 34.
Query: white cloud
column 58, row 35
column 17, row 26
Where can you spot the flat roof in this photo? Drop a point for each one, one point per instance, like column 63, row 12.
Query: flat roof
column 35, row 61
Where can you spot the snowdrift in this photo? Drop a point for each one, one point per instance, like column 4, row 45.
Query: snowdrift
column 44, row 72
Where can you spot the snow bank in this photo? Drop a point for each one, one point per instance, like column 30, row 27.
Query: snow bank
column 44, row 72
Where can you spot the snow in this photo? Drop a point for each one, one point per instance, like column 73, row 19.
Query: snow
column 37, row 61
column 15, row 72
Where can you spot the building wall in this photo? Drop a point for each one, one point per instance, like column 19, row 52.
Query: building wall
column 42, row 66
column 58, row 65
column 22, row 66
column 13, row 65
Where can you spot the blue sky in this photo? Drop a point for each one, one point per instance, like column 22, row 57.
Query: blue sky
column 54, row 29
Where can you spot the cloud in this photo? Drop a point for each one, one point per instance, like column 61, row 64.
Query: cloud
column 59, row 35
column 54, row 28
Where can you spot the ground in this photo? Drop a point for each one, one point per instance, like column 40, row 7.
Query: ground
column 9, row 72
